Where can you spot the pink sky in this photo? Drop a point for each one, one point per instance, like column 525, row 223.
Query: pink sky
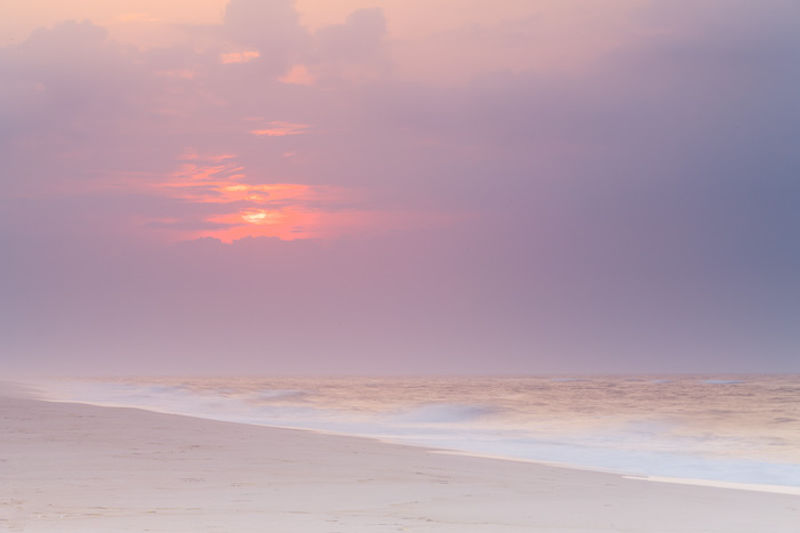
column 399, row 186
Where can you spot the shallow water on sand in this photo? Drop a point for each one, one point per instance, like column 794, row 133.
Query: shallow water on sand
column 743, row 429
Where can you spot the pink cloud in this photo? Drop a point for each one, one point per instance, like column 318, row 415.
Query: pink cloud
column 239, row 57
column 281, row 129
column 240, row 209
column 298, row 75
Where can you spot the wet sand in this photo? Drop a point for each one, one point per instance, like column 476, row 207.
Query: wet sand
column 80, row 468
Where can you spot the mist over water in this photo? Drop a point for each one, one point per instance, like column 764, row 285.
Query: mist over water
column 743, row 429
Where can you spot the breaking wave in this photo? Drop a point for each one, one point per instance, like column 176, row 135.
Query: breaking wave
column 696, row 428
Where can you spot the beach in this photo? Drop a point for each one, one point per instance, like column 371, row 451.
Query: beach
column 81, row 468
column 379, row 266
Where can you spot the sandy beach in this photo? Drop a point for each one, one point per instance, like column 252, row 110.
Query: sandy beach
column 80, row 468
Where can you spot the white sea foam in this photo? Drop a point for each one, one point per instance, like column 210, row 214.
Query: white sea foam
column 687, row 427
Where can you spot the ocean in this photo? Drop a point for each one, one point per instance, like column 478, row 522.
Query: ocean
column 731, row 429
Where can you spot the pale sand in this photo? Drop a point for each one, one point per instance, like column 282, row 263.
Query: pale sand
column 79, row 468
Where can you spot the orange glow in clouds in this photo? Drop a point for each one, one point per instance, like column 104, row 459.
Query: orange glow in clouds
column 286, row 223
column 287, row 211
column 281, row 129
column 239, row 57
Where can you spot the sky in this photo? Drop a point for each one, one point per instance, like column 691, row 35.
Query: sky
column 399, row 187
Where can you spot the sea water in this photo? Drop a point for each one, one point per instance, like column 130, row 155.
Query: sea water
column 736, row 429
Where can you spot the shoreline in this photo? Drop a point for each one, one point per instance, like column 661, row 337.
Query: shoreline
column 732, row 485
column 76, row 467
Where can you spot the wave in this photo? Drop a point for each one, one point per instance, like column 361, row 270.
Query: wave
column 444, row 413
column 506, row 422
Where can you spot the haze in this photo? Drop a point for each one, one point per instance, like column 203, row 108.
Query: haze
column 399, row 186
